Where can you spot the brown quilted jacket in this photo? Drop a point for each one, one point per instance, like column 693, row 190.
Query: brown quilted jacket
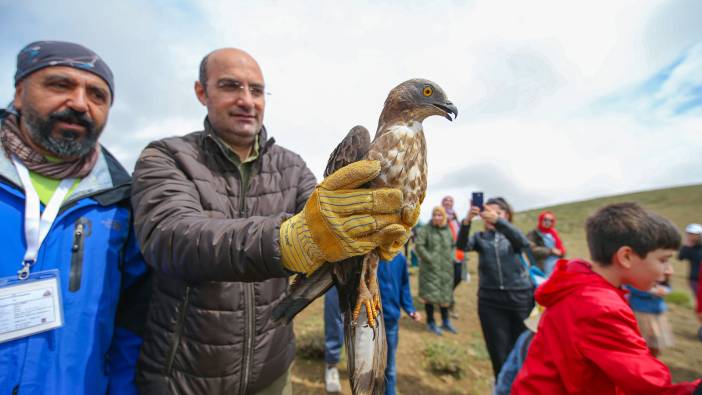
column 218, row 275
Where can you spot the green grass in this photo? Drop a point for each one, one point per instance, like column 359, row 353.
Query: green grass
column 477, row 349
column 309, row 339
column 445, row 357
column 310, row 344
column 679, row 298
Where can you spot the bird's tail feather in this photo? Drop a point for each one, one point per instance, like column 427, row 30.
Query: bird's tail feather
column 366, row 347
column 303, row 291
column 366, row 354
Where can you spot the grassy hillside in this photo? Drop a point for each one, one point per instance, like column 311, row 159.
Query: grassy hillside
column 420, row 351
column 681, row 205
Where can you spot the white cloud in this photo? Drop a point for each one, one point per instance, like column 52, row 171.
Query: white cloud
column 523, row 74
column 684, row 83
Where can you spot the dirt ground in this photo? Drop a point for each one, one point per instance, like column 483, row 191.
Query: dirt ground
column 413, row 376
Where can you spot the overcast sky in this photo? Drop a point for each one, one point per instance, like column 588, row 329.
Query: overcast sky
column 558, row 101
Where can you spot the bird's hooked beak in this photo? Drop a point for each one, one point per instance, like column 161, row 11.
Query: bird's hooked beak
column 448, row 108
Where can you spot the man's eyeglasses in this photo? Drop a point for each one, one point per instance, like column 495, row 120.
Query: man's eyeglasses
column 257, row 91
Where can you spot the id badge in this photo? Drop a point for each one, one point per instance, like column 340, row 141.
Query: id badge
column 30, row 306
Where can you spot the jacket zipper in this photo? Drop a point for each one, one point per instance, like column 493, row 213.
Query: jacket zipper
column 499, row 263
column 242, row 197
column 249, row 296
column 177, row 331
column 249, row 308
column 77, row 252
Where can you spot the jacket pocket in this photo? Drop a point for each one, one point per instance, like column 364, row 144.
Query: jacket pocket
column 81, row 230
column 177, row 331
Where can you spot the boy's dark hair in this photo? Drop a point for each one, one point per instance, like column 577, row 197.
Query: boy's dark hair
column 628, row 224
column 502, row 203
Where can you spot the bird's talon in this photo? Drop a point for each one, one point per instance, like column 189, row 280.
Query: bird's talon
column 356, row 312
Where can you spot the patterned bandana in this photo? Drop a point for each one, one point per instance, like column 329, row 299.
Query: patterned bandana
column 41, row 54
column 13, row 142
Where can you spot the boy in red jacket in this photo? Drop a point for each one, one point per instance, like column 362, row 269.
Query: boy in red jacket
column 588, row 341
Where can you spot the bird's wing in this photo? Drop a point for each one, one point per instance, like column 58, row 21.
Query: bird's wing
column 305, row 289
column 352, row 148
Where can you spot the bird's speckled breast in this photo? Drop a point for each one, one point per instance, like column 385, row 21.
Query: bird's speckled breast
column 401, row 150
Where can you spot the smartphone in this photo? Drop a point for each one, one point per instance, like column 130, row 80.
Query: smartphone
column 476, row 200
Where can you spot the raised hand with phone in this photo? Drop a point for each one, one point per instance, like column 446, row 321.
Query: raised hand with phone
column 489, row 213
column 476, row 206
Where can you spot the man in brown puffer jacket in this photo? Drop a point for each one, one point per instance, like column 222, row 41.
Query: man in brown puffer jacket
column 208, row 209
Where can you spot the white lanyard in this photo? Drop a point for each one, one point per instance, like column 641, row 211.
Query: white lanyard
column 36, row 225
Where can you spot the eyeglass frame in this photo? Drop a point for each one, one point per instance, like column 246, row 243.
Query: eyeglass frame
column 257, row 91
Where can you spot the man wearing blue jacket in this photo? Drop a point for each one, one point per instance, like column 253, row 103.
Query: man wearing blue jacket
column 395, row 295
column 69, row 253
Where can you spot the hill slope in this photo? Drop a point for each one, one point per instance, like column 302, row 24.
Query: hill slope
column 682, row 205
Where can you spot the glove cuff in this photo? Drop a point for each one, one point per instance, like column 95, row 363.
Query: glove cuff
column 298, row 252
column 328, row 243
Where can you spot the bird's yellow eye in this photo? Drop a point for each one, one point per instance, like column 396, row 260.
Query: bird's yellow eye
column 427, row 91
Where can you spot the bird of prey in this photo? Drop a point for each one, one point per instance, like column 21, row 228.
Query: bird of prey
column 400, row 147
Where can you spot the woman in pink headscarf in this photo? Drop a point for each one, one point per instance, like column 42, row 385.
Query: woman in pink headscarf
column 455, row 225
column 546, row 244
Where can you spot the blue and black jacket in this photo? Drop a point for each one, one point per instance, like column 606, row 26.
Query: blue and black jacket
column 92, row 245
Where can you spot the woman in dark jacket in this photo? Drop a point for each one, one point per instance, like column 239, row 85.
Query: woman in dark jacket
column 434, row 245
column 505, row 291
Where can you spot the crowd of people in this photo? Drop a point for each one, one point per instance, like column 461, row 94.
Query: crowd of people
column 511, row 266
column 164, row 281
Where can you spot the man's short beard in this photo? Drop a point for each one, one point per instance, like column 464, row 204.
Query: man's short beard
column 63, row 147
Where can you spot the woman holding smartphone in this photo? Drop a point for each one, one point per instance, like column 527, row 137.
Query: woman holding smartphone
column 505, row 291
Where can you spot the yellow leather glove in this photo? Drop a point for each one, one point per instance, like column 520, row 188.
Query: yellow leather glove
column 387, row 252
column 409, row 219
column 341, row 220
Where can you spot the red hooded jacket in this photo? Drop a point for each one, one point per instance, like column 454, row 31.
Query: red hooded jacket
column 588, row 342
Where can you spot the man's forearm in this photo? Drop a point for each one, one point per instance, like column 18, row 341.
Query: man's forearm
column 206, row 249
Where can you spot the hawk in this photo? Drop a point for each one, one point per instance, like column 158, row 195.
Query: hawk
column 400, row 147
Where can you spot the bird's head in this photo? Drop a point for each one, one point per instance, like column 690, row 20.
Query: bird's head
column 415, row 100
